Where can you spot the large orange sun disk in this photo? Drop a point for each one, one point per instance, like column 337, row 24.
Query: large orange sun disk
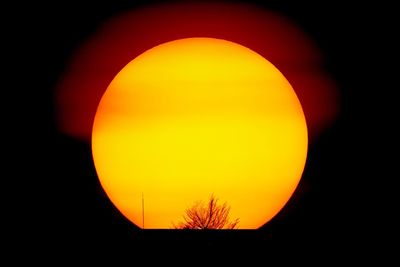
column 195, row 117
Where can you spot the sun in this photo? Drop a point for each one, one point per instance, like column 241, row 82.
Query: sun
column 195, row 117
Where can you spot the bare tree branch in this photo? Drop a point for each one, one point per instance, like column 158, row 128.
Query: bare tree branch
column 210, row 216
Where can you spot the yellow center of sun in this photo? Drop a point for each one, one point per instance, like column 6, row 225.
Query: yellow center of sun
column 195, row 117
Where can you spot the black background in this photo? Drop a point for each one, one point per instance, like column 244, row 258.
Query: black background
column 59, row 208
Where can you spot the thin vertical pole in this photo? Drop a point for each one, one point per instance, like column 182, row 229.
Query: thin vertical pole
column 142, row 211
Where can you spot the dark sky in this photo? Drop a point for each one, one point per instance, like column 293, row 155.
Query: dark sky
column 64, row 211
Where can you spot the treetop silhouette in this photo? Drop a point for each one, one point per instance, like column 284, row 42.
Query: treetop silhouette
column 208, row 216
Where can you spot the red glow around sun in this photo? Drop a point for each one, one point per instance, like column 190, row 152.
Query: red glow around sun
column 127, row 35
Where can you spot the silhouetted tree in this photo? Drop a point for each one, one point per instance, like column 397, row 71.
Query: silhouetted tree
column 208, row 216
